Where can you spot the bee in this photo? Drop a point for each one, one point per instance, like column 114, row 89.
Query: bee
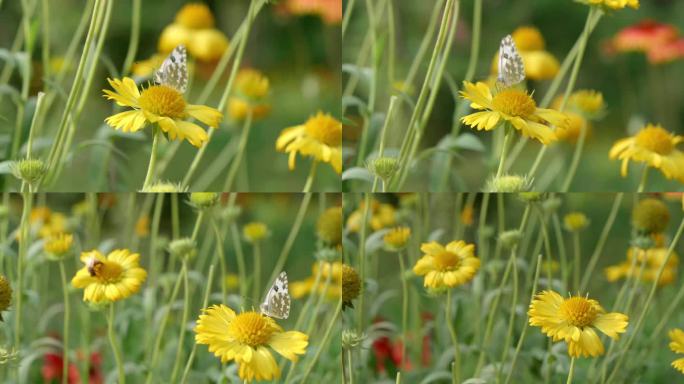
column 93, row 265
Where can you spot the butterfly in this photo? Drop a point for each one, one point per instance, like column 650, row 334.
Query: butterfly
column 511, row 67
column 277, row 301
column 174, row 70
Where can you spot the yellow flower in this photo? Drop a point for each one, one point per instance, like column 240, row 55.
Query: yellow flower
column 251, row 87
column 308, row 286
column 329, row 226
column 5, row 295
column 397, row 238
column 57, row 245
column 255, row 232
column 111, row 278
column 142, row 226
column 162, row 105
column 201, row 200
column 447, row 266
column 320, row 137
column 513, row 106
column 653, row 259
column 651, row 216
column 467, row 215
column 655, row 147
column 575, row 320
column 575, row 221
column 677, row 346
column 528, row 38
column 145, row 68
column 613, row 4
column 194, row 28
column 586, row 102
column 47, row 222
column 379, row 215
column 576, row 124
column 246, row 338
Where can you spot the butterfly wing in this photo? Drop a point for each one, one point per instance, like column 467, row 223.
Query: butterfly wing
column 277, row 301
column 174, row 70
column 511, row 67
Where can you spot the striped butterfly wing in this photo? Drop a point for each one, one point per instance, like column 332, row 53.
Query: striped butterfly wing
column 277, row 301
column 511, row 67
column 174, row 70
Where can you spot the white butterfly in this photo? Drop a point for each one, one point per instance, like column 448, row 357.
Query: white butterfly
column 174, row 70
column 277, row 301
column 511, row 67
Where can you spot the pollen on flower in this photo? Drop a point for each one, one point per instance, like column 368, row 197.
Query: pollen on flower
column 164, row 101
column 108, row 272
column 656, row 139
column 578, row 311
column 445, row 261
column 514, row 102
column 325, row 129
column 251, row 328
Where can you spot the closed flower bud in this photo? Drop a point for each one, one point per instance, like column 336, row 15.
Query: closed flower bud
column 351, row 339
column 164, row 187
column 383, row 167
column 575, row 221
column 255, row 232
column 531, row 197
column 508, row 184
column 204, row 199
column 184, row 249
column 29, row 170
column 509, row 239
column 351, row 286
column 329, row 226
column 5, row 295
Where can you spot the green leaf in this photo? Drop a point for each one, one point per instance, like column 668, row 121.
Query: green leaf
column 357, row 173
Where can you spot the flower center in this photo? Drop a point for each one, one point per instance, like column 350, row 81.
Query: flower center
column 514, row 102
column 163, row 101
column 108, row 272
column 446, row 261
column 251, row 328
column 325, row 129
column 578, row 311
column 655, row 139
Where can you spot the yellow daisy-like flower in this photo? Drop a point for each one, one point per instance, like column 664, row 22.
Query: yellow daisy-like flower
column 380, row 216
column 447, row 266
column 58, row 245
column 586, row 102
column 613, row 4
column 111, row 278
column 653, row 259
column 162, row 105
column 194, row 28
column 397, row 238
column 575, row 320
column 513, row 106
column 251, row 88
column 308, row 286
column 256, row 231
column 654, row 146
column 677, row 346
column 320, row 137
column 246, row 338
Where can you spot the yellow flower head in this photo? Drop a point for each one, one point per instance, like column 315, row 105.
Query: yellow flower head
column 652, row 259
column 329, row 226
column 251, row 88
column 575, row 320
column 380, row 216
column 612, row 4
column 528, row 38
column 147, row 67
column 575, row 221
column 248, row 338
column 576, row 125
column 58, row 245
column 142, row 226
column 255, row 232
column 5, row 295
column 651, row 216
column 397, row 238
column 447, row 266
column 327, row 270
column 207, row 45
column 111, row 278
column 513, row 106
column 586, row 102
column 162, row 105
column 47, row 222
column 320, row 137
column 655, row 147
column 677, row 346
column 195, row 16
column 351, row 285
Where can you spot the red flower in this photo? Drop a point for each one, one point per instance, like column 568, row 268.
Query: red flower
column 426, row 352
column 667, row 52
column 643, row 36
column 53, row 365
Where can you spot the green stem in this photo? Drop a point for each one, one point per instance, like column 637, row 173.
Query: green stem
column 324, row 343
column 237, row 246
column 362, row 259
column 577, row 155
column 576, row 260
column 153, row 159
column 310, row 179
column 504, row 150
column 572, row 371
column 454, row 340
column 296, row 226
column 205, row 301
column 644, row 179
column 235, row 166
column 23, row 249
column 521, row 340
column 115, row 346
column 222, row 261
column 256, row 293
column 404, row 310
column 383, row 135
column 65, row 336
column 184, row 321
column 647, row 305
column 347, row 16
column 602, row 241
column 135, row 38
